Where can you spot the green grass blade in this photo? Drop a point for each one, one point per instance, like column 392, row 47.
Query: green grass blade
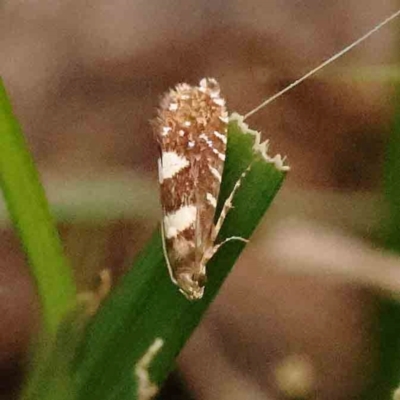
column 388, row 375
column 27, row 204
column 147, row 306
column 50, row 377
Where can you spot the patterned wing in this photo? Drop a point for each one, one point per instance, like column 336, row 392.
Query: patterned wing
column 191, row 132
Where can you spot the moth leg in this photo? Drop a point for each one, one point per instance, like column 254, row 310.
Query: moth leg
column 227, row 206
column 217, row 246
column 212, row 250
column 171, row 275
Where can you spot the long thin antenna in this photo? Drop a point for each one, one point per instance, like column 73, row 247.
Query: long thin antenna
column 324, row 64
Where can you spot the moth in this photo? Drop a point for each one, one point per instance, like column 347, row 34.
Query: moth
column 191, row 131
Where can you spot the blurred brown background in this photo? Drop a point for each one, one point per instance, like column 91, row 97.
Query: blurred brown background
column 297, row 317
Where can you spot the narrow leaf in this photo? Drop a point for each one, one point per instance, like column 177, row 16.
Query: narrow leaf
column 147, row 307
column 27, row 204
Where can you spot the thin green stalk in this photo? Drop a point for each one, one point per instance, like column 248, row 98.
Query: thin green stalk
column 387, row 377
column 27, row 204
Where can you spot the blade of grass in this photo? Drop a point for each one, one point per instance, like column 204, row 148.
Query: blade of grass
column 49, row 377
column 147, row 306
column 387, row 378
column 27, row 204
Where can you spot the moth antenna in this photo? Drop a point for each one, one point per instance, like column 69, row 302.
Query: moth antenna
column 323, row 65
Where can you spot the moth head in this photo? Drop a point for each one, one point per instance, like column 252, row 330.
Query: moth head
column 192, row 285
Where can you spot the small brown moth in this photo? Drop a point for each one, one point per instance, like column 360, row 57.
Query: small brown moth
column 191, row 130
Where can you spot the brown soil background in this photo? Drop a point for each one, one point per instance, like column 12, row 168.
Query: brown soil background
column 85, row 78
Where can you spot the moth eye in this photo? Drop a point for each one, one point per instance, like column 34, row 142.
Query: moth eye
column 201, row 279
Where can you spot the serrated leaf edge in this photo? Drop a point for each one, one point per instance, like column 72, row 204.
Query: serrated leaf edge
column 260, row 147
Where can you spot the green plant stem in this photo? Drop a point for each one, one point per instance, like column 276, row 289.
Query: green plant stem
column 387, row 377
column 27, row 204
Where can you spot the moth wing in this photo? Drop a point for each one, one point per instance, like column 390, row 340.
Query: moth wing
column 176, row 195
column 208, row 172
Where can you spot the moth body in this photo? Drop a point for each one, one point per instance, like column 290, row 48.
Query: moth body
column 191, row 131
